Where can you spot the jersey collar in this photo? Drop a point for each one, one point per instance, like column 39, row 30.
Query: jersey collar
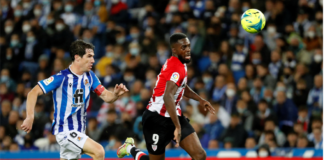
column 73, row 72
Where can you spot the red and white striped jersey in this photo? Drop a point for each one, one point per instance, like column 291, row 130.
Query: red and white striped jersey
column 172, row 70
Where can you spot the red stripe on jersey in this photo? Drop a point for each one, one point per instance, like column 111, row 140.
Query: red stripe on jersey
column 163, row 110
column 179, row 111
column 179, row 97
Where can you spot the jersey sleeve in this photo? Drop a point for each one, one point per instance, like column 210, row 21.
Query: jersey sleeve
column 51, row 83
column 174, row 74
column 96, row 81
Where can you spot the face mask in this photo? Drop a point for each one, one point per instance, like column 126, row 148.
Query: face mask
column 18, row 13
column 134, row 51
column 88, row 40
column 109, row 54
column 206, row 79
column 318, row 58
column 173, row 8
column 22, row 132
column 86, row 12
column 268, row 99
column 114, row 1
column 50, row 21
column 311, row 34
column 121, row 40
column 97, row 3
column 240, row 110
column 245, row 8
column 271, row 30
column 68, row 8
column 125, row 100
column 14, row 43
column 30, row 39
column 8, row 29
column 26, row 28
column 37, row 12
column 9, row 57
column 230, row 92
column 4, row 8
column 4, row 78
column 321, row 2
column 263, row 154
column 256, row 61
column 46, row 2
column 281, row 89
column 161, row 52
column 59, row 27
column 135, row 35
column 129, row 78
column 26, row 5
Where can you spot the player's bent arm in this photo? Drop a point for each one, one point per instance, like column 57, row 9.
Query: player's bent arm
column 189, row 93
column 30, row 106
column 108, row 96
column 168, row 99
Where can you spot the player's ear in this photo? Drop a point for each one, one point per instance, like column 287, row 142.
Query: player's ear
column 77, row 58
column 173, row 49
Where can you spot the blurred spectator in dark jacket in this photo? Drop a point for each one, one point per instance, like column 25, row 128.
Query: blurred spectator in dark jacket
column 317, row 60
column 267, row 79
column 257, row 90
column 291, row 140
column 213, row 130
column 5, row 94
column 118, row 12
column 219, row 88
column 275, row 67
column 286, row 111
column 5, row 110
column 246, row 115
column 300, row 93
column 261, row 47
column 271, row 126
column 62, row 37
column 302, row 73
column 32, row 48
column 6, row 78
column 239, row 60
column 235, row 131
column 263, row 114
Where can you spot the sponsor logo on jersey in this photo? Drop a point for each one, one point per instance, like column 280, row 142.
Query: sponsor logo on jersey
column 175, row 77
column 154, row 147
column 48, row 80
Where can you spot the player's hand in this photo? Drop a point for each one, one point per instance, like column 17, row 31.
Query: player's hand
column 120, row 89
column 207, row 106
column 27, row 124
column 177, row 136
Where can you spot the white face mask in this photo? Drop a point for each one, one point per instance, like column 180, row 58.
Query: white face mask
column 26, row 5
column 173, row 8
column 230, row 92
column 263, row 154
column 318, row 58
column 8, row 29
column 26, row 28
column 271, row 30
column 311, row 34
column 114, row 1
column 59, row 27
column 37, row 12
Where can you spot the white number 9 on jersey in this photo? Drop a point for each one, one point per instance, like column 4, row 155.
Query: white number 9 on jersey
column 155, row 138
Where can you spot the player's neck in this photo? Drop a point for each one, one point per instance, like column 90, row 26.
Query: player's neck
column 75, row 69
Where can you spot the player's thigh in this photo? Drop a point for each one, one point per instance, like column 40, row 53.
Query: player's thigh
column 192, row 146
column 157, row 157
column 92, row 148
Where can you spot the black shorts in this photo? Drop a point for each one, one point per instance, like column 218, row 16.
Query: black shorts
column 159, row 131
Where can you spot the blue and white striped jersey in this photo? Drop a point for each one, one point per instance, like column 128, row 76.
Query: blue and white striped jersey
column 71, row 93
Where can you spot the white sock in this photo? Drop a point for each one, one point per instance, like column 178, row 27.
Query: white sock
column 129, row 147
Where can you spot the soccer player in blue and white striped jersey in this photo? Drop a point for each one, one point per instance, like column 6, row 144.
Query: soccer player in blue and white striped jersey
column 71, row 92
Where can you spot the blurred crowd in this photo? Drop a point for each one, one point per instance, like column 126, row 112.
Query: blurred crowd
column 267, row 88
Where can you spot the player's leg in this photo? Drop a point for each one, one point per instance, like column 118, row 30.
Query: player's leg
column 94, row 149
column 190, row 141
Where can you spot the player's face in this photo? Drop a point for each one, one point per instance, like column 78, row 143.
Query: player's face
column 182, row 49
column 87, row 60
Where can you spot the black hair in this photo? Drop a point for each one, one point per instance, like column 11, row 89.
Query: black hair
column 175, row 37
column 79, row 47
column 263, row 101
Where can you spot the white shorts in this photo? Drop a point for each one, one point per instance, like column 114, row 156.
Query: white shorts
column 71, row 144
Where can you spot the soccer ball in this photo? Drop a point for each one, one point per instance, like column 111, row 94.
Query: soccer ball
column 253, row 21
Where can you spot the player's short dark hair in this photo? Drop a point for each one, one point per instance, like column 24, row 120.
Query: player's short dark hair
column 175, row 37
column 78, row 47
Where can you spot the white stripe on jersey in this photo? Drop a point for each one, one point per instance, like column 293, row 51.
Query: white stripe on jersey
column 69, row 103
column 59, row 101
column 84, row 114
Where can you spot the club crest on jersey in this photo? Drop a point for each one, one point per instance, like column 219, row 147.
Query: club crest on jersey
column 80, row 138
column 86, row 82
column 48, row 80
column 154, row 147
column 175, row 77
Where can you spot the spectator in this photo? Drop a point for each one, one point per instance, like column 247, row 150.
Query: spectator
column 316, row 65
column 261, row 47
column 68, row 16
column 5, row 110
column 249, row 75
column 264, row 151
column 302, row 142
column 298, row 128
column 275, row 67
column 263, row 114
column 267, row 79
column 250, row 143
column 241, row 86
column 6, row 78
column 300, row 93
column 286, row 111
column 257, row 90
column 302, row 73
column 92, row 129
column 62, row 36
column 224, row 71
column 110, row 129
column 291, row 140
column 246, row 115
column 213, row 130
column 315, row 96
column 118, row 12
column 303, row 117
column 219, row 88
column 239, row 60
column 270, row 125
column 235, row 131
column 317, row 138
column 230, row 99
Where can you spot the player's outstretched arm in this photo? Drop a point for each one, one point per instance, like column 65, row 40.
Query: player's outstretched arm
column 168, row 98
column 30, row 106
column 189, row 93
column 111, row 97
